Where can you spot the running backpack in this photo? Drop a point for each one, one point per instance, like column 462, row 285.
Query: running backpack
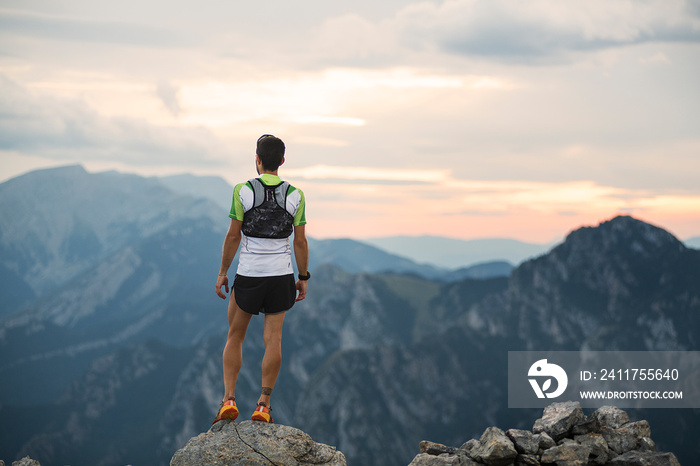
column 268, row 218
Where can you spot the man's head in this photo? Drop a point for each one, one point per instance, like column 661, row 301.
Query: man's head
column 270, row 151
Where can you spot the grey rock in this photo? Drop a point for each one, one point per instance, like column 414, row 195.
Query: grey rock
column 647, row 444
column 255, row 443
column 527, row 460
column 559, row 418
column 645, row 458
column 544, row 442
column 26, row 461
column 568, row 454
column 524, row 441
column 600, row 453
column 436, row 449
column 424, row 459
column 469, row 445
column 628, row 444
column 588, row 425
column 495, row 448
column 626, row 438
column 610, row 416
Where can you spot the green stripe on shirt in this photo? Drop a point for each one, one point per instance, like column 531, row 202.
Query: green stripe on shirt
column 236, row 205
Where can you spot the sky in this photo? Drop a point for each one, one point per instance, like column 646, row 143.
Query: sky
column 469, row 119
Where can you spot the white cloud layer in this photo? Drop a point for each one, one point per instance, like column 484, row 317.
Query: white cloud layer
column 520, row 30
column 67, row 129
column 533, row 31
column 564, row 111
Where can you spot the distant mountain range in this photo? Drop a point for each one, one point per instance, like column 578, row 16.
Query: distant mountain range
column 56, row 223
column 111, row 334
column 439, row 254
column 359, row 257
column 455, row 253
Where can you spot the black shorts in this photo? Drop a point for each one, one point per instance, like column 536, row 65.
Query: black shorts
column 269, row 295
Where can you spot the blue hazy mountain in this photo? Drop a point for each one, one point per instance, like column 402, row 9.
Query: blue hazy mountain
column 213, row 188
column 57, row 224
column 623, row 285
column 454, row 253
column 359, row 257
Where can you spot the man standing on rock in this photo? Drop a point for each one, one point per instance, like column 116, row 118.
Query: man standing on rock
column 264, row 214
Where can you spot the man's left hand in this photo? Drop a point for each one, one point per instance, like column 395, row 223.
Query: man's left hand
column 301, row 288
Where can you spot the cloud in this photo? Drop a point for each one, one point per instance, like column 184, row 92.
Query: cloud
column 327, row 172
column 67, row 28
column 168, row 94
column 315, row 98
column 537, row 29
column 486, row 197
column 69, row 129
column 346, row 198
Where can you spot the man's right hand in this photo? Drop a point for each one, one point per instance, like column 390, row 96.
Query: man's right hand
column 221, row 281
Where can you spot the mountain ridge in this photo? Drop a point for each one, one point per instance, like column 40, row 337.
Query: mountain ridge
column 578, row 296
column 361, row 343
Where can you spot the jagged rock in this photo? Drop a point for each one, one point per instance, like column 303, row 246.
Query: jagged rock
column 567, row 441
column 647, row 444
column 544, row 442
column 469, row 445
column 559, row 418
column 626, row 438
column 524, row 441
column 445, row 459
column 255, row 443
column 495, row 448
column 436, row 449
column 645, row 458
column 567, row 454
column 527, row 460
column 627, row 444
column 599, row 447
column 26, row 461
column 588, row 425
column 610, row 416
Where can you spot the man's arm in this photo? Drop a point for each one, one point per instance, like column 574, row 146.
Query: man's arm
column 301, row 253
column 231, row 242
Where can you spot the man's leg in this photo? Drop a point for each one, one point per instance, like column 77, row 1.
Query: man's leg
column 238, row 321
column 273, row 355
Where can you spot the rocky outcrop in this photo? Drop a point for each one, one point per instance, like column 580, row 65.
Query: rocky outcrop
column 252, row 443
column 563, row 436
column 26, row 461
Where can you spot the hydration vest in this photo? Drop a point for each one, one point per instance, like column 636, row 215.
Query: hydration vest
column 268, row 218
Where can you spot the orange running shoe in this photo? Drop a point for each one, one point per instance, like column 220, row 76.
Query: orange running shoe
column 262, row 413
column 228, row 410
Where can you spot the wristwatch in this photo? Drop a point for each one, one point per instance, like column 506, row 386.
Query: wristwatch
column 305, row 277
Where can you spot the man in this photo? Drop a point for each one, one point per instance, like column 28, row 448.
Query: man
column 264, row 213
